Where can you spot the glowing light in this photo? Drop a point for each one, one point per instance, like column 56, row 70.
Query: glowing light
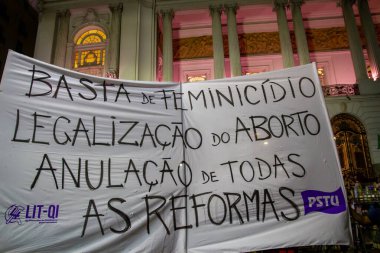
column 91, row 37
column 372, row 73
column 192, row 79
column 321, row 75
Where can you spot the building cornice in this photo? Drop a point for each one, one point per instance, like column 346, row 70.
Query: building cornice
column 356, row 98
column 160, row 4
column 201, row 4
column 67, row 4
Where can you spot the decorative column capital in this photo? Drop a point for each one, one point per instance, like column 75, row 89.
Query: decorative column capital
column 231, row 8
column 40, row 6
column 215, row 9
column 63, row 13
column 362, row 2
column 297, row 3
column 342, row 3
column 116, row 7
column 280, row 4
column 169, row 13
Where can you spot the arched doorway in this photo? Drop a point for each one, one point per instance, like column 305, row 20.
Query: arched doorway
column 352, row 145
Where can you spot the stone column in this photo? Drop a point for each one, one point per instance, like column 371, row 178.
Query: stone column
column 148, row 41
column 299, row 30
column 233, row 40
column 63, row 19
column 69, row 55
column 114, row 47
column 167, row 51
column 129, row 40
column 43, row 49
column 283, row 30
column 354, row 41
column 217, row 41
column 370, row 35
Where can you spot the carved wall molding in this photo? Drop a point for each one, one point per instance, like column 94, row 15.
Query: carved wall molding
column 323, row 39
column 91, row 17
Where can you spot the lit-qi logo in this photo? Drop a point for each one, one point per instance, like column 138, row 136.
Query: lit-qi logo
column 40, row 213
column 13, row 213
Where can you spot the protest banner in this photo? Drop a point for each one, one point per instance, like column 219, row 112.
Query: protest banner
column 90, row 164
column 269, row 172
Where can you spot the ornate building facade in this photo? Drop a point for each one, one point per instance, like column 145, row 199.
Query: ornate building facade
column 191, row 40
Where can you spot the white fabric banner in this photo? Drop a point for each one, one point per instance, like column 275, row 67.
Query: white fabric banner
column 90, row 164
column 268, row 174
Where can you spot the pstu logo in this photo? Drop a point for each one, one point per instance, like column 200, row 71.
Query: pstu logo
column 40, row 213
column 325, row 202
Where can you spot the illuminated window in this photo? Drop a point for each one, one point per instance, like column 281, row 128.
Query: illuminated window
column 369, row 72
column 250, row 73
column 252, row 70
column 192, row 79
column 91, row 36
column 90, row 52
column 321, row 75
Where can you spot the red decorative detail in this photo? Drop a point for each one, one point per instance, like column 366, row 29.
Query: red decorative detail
column 159, row 69
column 340, row 90
column 112, row 74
